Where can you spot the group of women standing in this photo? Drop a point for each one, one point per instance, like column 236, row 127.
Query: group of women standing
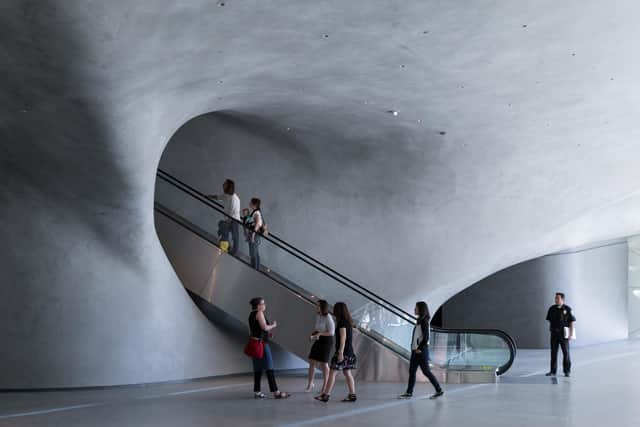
column 337, row 336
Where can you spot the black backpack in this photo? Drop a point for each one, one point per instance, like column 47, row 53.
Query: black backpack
column 264, row 230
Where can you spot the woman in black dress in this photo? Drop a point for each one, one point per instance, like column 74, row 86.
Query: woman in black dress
column 322, row 338
column 345, row 359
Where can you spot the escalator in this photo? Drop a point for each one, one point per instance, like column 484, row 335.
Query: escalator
column 291, row 281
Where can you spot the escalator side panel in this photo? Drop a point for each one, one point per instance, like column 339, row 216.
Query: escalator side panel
column 229, row 284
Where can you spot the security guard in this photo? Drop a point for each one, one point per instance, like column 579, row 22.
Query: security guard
column 560, row 317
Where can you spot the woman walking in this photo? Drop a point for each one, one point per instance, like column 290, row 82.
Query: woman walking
column 344, row 360
column 420, row 352
column 322, row 338
column 259, row 328
column 255, row 226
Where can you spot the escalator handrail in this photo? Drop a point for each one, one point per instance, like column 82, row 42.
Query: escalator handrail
column 491, row 332
column 359, row 289
column 290, row 249
column 187, row 225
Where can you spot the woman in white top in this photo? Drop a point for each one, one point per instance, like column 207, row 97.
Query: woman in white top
column 255, row 227
column 322, row 338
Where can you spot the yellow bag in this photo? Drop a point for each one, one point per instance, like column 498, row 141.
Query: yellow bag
column 224, row 245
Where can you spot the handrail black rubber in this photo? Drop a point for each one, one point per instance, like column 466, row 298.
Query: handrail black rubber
column 360, row 289
column 340, row 277
column 187, row 225
column 203, row 234
column 492, row 332
column 168, row 177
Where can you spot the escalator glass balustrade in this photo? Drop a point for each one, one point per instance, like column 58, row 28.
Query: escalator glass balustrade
column 378, row 319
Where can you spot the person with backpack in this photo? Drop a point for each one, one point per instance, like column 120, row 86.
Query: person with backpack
column 256, row 227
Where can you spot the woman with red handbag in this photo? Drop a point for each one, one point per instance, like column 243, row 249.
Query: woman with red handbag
column 259, row 351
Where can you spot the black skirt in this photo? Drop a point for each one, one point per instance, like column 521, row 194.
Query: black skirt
column 321, row 349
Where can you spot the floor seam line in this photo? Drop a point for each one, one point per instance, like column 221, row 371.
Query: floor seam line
column 115, row 402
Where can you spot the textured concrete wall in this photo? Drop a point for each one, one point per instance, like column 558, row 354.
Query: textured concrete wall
column 516, row 299
column 516, row 137
column 87, row 296
column 633, row 295
column 405, row 219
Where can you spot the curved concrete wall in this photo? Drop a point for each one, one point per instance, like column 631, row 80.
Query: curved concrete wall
column 87, row 296
column 507, row 146
column 408, row 222
column 516, row 299
column 633, row 294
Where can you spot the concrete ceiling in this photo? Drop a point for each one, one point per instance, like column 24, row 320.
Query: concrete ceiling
column 517, row 132
column 515, row 137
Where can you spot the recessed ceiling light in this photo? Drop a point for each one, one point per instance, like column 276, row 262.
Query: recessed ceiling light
column 393, row 112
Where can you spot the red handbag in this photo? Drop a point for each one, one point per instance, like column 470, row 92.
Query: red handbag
column 254, row 348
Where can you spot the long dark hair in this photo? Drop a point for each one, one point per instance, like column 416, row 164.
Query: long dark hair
column 324, row 307
column 255, row 302
column 423, row 310
column 341, row 311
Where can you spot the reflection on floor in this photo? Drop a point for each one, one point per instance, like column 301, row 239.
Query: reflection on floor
column 603, row 391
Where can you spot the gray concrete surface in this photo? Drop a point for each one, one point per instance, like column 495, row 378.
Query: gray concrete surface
column 601, row 392
column 516, row 137
column 516, row 299
column 633, row 295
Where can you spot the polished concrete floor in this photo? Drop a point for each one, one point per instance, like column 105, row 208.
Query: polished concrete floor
column 603, row 391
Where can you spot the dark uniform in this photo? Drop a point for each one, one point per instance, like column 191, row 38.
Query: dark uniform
column 560, row 318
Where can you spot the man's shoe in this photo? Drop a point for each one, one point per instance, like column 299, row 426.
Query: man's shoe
column 436, row 395
column 550, row 374
column 405, row 396
column 567, row 374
